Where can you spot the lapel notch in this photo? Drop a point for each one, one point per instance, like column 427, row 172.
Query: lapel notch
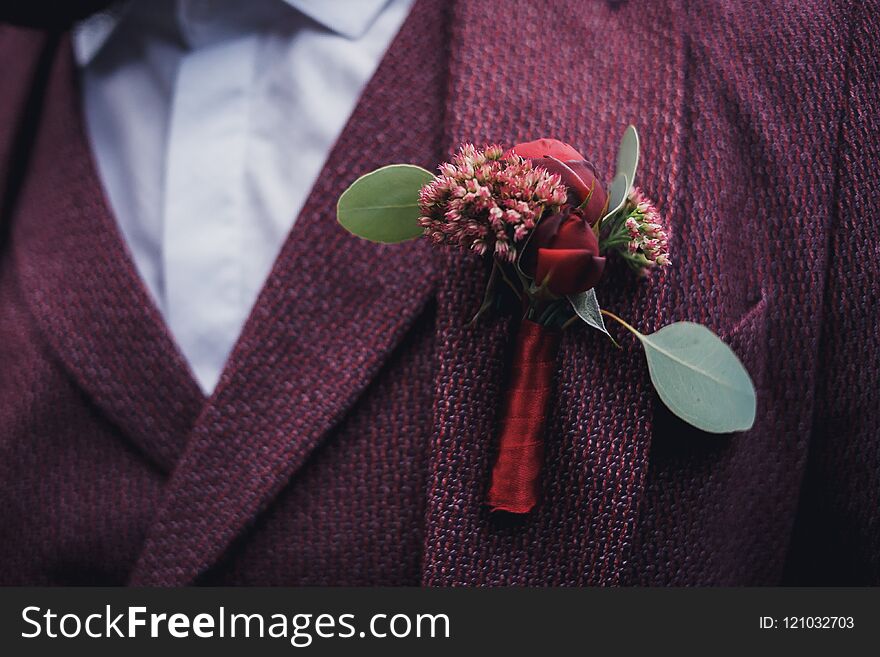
column 84, row 292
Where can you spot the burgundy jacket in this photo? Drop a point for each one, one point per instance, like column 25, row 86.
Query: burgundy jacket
column 350, row 438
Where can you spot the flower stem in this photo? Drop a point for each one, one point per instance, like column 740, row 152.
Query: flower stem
column 507, row 280
column 616, row 241
column 621, row 322
column 551, row 315
column 545, row 316
column 570, row 322
column 488, row 296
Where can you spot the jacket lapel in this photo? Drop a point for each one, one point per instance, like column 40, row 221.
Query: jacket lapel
column 581, row 79
column 83, row 290
column 331, row 312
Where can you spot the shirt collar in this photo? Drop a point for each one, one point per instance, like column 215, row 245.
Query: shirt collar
column 348, row 18
column 90, row 34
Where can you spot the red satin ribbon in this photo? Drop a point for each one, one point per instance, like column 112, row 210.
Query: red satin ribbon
column 515, row 475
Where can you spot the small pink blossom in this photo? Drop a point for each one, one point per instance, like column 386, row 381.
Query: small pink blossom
column 649, row 243
column 488, row 201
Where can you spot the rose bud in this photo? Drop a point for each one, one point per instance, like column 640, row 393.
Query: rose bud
column 564, row 252
column 577, row 174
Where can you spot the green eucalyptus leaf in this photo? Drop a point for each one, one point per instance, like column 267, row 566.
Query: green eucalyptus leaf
column 617, row 195
column 628, row 156
column 586, row 306
column 627, row 164
column 383, row 205
column 699, row 378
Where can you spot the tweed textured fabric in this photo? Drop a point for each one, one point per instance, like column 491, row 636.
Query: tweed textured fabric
column 351, row 436
column 837, row 535
column 339, row 320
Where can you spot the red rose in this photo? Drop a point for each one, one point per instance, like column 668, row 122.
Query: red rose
column 577, row 174
column 564, row 251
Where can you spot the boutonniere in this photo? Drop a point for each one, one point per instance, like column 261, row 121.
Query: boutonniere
column 542, row 215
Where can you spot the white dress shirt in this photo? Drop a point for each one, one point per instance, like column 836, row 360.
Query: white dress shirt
column 210, row 121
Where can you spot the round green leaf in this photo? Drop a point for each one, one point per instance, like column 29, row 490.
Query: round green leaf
column 383, row 205
column 699, row 378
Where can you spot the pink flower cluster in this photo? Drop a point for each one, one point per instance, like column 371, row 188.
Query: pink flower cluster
column 488, row 201
column 649, row 244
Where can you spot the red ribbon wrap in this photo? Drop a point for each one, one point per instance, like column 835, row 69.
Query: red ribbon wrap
column 515, row 475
